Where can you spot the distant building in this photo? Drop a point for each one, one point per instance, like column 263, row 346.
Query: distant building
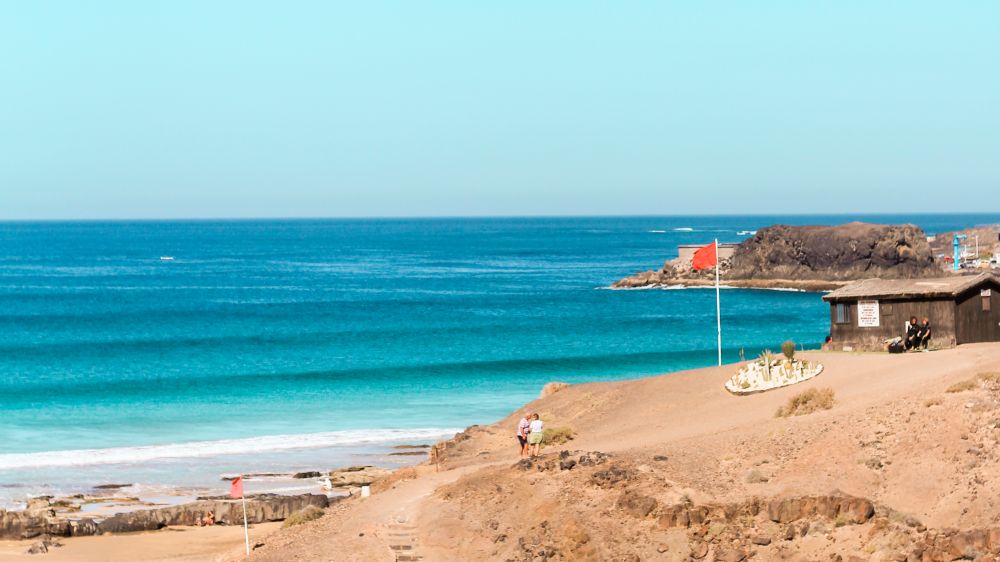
column 685, row 252
column 961, row 308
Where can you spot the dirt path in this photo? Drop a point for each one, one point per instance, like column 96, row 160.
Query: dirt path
column 380, row 527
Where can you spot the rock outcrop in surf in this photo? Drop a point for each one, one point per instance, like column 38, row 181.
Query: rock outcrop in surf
column 809, row 257
column 41, row 517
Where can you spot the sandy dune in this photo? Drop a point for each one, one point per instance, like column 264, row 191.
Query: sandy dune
column 894, row 438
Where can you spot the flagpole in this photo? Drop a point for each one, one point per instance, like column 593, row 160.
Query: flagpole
column 718, row 308
column 246, row 529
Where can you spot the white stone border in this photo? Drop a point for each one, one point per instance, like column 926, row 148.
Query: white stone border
column 757, row 379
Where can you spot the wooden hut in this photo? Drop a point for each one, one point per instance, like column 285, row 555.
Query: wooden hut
column 961, row 309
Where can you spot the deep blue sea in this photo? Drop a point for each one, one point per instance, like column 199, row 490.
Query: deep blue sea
column 280, row 344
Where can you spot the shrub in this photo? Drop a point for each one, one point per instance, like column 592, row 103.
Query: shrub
column 557, row 435
column 806, row 402
column 788, row 348
column 304, row 515
column 963, row 386
column 766, row 357
column 933, row 402
column 552, row 388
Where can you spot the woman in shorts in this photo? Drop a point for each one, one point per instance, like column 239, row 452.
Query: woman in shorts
column 535, row 430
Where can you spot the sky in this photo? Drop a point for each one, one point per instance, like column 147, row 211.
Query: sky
column 178, row 109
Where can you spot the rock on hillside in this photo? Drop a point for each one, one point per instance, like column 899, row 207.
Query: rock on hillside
column 849, row 251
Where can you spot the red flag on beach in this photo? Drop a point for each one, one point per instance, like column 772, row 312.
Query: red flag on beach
column 236, row 490
column 705, row 257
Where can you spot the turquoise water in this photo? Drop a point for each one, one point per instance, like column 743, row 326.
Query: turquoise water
column 338, row 333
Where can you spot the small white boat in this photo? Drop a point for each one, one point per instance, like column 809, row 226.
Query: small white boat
column 747, row 232
column 166, row 258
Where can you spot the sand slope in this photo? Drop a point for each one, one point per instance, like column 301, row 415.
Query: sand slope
column 895, row 438
column 176, row 544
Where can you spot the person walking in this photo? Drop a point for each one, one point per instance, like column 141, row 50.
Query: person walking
column 523, row 428
column 535, row 430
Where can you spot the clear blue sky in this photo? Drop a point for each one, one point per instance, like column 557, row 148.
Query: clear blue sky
column 244, row 109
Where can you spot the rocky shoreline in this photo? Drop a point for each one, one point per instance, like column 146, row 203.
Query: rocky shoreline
column 805, row 258
column 662, row 280
column 46, row 516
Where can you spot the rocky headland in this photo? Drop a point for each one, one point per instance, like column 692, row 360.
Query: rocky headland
column 811, row 258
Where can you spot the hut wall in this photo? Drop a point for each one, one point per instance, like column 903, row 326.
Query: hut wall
column 973, row 324
column 893, row 315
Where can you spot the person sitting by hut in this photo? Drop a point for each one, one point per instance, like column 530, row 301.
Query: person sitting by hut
column 207, row 520
column 911, row 338
column 924, row 334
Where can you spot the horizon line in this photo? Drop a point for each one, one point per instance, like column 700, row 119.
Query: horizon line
column 481, row 217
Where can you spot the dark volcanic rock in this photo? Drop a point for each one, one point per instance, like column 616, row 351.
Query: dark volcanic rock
column 849, row 251
column 111, row 486
column 809, row 258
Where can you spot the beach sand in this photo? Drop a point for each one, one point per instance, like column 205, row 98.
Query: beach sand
column 894, row 437
column 174, row 544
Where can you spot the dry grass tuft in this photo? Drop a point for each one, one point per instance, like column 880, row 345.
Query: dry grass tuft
column 304, row 515
column 557, row 435
column 963, row 386
column 551, row 388
column 990, row 379
column 807, row 402
column 933, row 402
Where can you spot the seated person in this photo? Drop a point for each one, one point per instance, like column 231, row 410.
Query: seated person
column 910, row 339
column 924, row 333
column 207, row 520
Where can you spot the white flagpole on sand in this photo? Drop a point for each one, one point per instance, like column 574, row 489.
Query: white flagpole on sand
column 246, row 528
column 718, row 308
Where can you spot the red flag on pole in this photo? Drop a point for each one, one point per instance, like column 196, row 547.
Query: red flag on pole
column 705, row 257
column 236, row 489
column 236, row 492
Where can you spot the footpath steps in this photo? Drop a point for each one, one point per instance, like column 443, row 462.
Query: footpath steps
column 402, row 539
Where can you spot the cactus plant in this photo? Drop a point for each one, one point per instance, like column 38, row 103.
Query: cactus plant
column 788, row 348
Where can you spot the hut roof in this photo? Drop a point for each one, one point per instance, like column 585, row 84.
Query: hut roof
column 907, row 288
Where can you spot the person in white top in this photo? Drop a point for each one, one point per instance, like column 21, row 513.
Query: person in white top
column 535, row 430
column 522, row 433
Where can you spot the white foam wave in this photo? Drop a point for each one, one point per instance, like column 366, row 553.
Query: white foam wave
column 656, row 231
column 684, row 229
column 195, row 449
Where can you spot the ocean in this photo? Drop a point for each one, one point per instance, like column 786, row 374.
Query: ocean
column 294, row 344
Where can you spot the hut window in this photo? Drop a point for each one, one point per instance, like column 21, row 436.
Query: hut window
column 843, row 313
column 886, row 309
column 986, row 303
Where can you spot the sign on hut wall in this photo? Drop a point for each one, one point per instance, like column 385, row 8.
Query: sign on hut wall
column 868, row 315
